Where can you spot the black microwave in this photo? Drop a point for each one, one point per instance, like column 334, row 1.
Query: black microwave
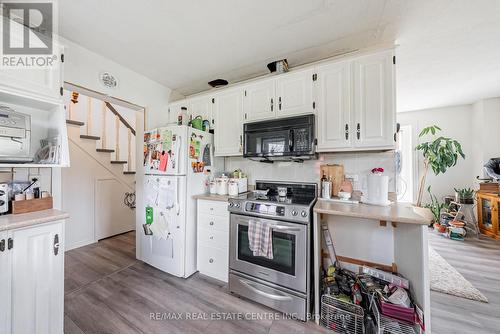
column 281, row 139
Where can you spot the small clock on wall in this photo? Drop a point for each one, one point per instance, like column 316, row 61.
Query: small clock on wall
column 108, row 80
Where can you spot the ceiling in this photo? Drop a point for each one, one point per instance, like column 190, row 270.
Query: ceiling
column 448, row 50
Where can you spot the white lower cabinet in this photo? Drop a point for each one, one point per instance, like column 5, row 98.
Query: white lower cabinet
column 34, row 299
column 213, row 239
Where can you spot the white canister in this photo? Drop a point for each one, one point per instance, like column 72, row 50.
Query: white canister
column 326, row 189
column 213, row 187
column 222, row 185
column 378, row 188
column 233, row 188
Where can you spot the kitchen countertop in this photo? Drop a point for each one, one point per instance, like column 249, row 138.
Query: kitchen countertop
column 396, row 212
column 10, row 222
column 215, row 197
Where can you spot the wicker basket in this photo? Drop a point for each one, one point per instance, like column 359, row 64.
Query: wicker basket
column 341, row 317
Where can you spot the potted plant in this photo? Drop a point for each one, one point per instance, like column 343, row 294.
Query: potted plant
column 464, row 196
column 440, row 153
column 435, row 206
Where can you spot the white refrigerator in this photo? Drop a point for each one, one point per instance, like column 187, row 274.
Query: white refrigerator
column 177, row 161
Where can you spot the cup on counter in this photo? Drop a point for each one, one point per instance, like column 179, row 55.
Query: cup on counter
column 19, row 197
column 45, row 194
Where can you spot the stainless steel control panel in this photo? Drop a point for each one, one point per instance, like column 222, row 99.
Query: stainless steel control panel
column 295, row 213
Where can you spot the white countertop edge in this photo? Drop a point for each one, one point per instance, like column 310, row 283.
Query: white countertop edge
column 11, row 222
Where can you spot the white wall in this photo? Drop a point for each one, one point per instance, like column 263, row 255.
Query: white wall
column 457, row 123
column 487, row 134
column 79, row 184
column 82, row 67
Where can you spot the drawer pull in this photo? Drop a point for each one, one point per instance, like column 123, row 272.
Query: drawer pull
column 211, row 237
column 211, row 223
column 211, row 261
column 211, row 209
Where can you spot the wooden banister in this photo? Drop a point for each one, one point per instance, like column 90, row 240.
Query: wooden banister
column 123, row 120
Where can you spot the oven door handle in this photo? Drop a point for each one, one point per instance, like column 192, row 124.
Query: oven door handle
column 263, row 293
column 284, row 228
column 290, row 141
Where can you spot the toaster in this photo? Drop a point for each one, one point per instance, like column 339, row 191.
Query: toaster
column 15, row 136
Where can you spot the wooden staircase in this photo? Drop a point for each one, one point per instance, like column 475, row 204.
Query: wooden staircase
column 96, row 145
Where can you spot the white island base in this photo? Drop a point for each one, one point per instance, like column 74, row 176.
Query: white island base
column 392, row 237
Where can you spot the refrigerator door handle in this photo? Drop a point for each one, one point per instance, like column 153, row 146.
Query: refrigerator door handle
column 177, row 205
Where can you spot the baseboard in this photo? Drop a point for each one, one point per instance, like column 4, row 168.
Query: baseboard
column 79, row 244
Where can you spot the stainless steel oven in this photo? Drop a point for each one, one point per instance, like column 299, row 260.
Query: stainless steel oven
column 290, row 244
column 288, row 138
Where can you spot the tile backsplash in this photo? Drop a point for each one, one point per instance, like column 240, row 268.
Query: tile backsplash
column 359, row 164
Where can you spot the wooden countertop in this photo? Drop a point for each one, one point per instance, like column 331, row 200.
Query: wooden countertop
column 10, row 222
column 396, row 212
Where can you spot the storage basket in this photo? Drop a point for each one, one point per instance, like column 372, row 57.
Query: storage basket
column 341, row 317
column 387, row 325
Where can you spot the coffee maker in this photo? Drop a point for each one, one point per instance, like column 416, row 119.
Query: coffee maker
column 4, row 198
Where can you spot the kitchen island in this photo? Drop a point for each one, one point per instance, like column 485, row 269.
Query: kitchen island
column 391, row 237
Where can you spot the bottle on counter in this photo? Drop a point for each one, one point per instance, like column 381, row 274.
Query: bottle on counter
column 326, row 187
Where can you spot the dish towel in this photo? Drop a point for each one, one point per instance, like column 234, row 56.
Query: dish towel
column 260, row 238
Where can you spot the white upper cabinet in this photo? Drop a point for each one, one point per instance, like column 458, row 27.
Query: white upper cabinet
column 36, row 82
column 259, row 102
column 175, row 109
column 294, row 93
column 333, row 104
column 37, row 279
column 201, row 106
column 374, row 100
column 228, row 119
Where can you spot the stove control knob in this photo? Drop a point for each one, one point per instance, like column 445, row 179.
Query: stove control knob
column 231, row 204
column 303, row 213
column 294, row 212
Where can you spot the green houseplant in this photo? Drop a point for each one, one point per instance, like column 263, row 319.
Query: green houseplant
column 440, row 153
column 435, row 206
column 464, row 196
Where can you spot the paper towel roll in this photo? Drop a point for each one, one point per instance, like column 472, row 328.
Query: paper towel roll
column 378, row 188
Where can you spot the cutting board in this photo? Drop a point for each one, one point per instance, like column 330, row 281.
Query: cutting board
column 337, row 174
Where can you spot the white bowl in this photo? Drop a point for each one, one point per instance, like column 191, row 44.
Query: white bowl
column 344, row 195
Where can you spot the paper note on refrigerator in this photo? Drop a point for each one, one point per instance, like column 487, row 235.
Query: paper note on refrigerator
column 163, row 162
column 166, row 195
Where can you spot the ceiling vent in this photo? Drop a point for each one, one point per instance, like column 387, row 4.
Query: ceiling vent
column 108, row 80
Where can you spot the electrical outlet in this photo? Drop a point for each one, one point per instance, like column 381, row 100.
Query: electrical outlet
column 353, row 177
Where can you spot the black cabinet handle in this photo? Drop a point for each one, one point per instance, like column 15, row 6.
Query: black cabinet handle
column 358, row 131
column 279, row 103
column 56, row 244
column 346, row 131
column 10, row 243
column 2, row 245
column 272, row 104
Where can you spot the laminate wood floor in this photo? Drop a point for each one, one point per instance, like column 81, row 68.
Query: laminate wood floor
column 108, row 291
column 479, row 262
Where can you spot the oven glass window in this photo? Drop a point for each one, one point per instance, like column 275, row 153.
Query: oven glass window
column 283, row 251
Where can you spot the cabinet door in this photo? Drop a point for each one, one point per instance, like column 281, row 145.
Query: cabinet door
column 229, row 123
column 294, row 93
column 333, row 104
column 5, row 280
column 259, row 101
column 201, row 106
column 174, row 109
column 374, row 101
column 38, row 280
column 487, row 214
column 36, row 82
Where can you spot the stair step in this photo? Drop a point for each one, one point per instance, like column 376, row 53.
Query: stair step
column 72, row 122
column 128, row 172
column 90, row 137
column 120, row 162
column 105, row 150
